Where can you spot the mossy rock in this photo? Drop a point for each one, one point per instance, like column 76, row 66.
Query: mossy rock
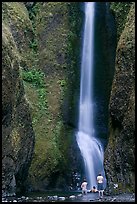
column 120, row 10
column 16, row 16
column 119, row 155
column 17, row 132
column 57, row 54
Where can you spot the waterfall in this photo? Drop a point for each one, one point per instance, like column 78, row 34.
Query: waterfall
column 90, row 147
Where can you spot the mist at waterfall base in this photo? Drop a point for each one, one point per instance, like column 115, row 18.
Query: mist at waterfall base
column 90, row 146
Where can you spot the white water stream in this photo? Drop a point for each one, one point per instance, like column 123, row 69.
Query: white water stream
column 90, row 147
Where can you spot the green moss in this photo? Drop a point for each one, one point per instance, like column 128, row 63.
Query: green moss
column 16, row 141
column 33, row 76
column 54, row 49
column 121, row 10
column 37, row 97
column 15, row 15
column 49, row 157
column 15, row 11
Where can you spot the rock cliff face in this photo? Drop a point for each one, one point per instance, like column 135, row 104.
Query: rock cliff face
column 104, row 64
column 57, row 28
column 17, row 131
column 120, row 152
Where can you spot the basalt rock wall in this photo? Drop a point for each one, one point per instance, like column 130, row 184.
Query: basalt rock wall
column 120, row 151
column 17, row 131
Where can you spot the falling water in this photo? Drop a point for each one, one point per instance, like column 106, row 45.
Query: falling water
column 90, row 147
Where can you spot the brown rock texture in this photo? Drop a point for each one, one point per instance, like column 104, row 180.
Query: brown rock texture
column 17, row 131
column 120, row 152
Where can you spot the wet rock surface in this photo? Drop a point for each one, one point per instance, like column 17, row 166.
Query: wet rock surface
column 17, row 131
column 119, row 158
column 90, row 197
column 118, row 198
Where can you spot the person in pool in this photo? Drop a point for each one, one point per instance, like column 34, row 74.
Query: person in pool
column 94, row 190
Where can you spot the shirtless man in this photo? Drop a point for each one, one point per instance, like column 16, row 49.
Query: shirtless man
column 84, row 187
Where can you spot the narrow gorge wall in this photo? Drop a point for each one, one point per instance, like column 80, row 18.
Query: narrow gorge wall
column 57, row 39
column 53, row 101
column 46, row 38
column 120, row 152
column 17, row 131
column 104, row 66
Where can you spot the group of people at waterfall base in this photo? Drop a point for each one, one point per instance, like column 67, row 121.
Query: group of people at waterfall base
column 99, row 188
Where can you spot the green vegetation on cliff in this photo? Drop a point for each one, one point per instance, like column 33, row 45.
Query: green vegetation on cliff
column 17, row 131
column 120, row 152
column 16, row 16
column 47, row 38
column 120, row 10
column 56, row 47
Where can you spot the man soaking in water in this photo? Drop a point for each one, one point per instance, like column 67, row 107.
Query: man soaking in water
column 94, row 190
column 84, row 187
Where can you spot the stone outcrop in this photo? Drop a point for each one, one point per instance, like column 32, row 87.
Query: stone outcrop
column 17, row 131
column 16, row 16
column 45, row 35
column 120, row 152
column 104, row 65
column 57, row 30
